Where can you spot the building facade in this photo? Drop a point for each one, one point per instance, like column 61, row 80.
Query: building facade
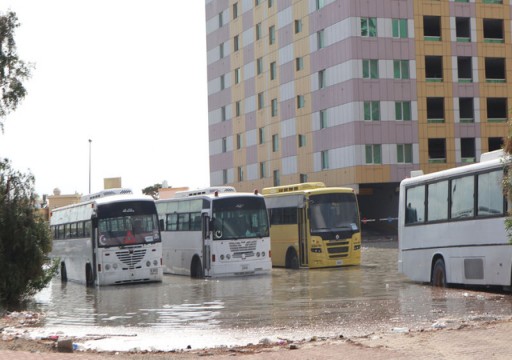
column 354, row 92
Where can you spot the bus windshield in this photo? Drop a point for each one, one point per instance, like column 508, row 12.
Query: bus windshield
column 333, row 211
column 239, row 217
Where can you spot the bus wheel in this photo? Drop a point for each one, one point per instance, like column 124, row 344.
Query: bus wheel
column 63, row 273
column 196, row 270
column 89, row 280
column 439, row 274
column 292, row 261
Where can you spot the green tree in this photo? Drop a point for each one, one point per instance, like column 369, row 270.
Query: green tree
column 13, row 71
column 25, row 239
column 152, row 190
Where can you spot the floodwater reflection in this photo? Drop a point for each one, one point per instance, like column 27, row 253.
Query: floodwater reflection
column 288, row 303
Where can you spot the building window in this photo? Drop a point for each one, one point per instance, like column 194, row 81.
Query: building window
column 238, row 75
column 432, row 28
column 370, row 69
column 223, row 113
column 467, row 150
column 373, row 154
column 401, row 69
column 325, row 159
column 463, row 29
column 493, row 30
column 497, row 109
column 298, row 26
column 221, row 20
column 238, row 108
column 369, row 27
column 371, row 110
column 238, row 141
column 323, row 119
column 320, row 41
column 494, row 143
column 277, row 180
column 257, row 2
column 299, row 64
column 303, row 178
column 235, row 10
column 225, row 176
column 261, row 135
column 495, row 70
column 436, row 151
column 404, row 153
column 466, row 110
column 236, row 45
column 272, row 35
column 273, row 70
column 259, row 66
column 464, row 69
column 274, row 107
column 263, row 170
column 400, row 28
column 301, row 140
column 258, row 31
column 403, row 110
column 321, row 79
column 275, row 143
column 270, row 3
column 434, row 68
column 222, row 82
column 260, row 101
column 319, row 4
column 224, row 144
column 240, row 174
column 300, row 101
column 221, row 50
column 435, row 109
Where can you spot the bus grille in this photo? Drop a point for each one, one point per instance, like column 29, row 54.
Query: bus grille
column 338, row 252
column 238, row 248
column 131, row 257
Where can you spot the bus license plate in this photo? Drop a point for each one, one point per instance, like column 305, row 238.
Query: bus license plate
column 245, row 267
column 153, row 271
column 339, row 262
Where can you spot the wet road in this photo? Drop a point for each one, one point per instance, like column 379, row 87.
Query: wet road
column 288, row 304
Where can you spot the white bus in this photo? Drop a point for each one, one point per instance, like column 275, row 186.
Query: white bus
column 214, row 232
column 451, row 226
column 111, row 237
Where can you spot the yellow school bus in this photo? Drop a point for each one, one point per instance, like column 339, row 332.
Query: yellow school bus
column 313, row 226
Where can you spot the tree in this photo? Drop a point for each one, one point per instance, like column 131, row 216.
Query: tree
column 25, row 239
column 152, row 190
column 507, row 178
column 12, row 70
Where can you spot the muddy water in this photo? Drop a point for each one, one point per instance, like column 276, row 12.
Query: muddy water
column 181, row 312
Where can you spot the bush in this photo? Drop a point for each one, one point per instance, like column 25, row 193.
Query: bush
column 25, row 239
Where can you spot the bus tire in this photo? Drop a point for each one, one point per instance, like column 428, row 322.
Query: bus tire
column 63, row 273
column 292, row 260
column 439, row 273
column 196, row 269
column 89, row 279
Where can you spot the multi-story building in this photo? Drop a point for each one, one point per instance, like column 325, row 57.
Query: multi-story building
column 354, row 92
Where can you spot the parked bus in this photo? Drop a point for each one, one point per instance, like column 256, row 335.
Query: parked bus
column 313, row 226
column 214, row 232
column 111, row 237
column 451, row 226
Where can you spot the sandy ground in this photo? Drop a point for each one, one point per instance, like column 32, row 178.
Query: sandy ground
column 447, row 339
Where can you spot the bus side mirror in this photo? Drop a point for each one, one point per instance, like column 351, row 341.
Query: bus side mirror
column 161, row 224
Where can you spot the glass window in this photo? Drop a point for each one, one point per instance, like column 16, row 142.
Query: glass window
column 372, row 110
column 462, row 192
column 271, row 35
column 437, row 201
column 369, row 27
column 415, row 209
column 373, row 154
column 403, row 110
column 404, row 153
column 401, row 69
column 370, row 69
column 490, row 196
column 399, row 28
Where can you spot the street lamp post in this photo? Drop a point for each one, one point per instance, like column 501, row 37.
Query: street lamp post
column 90, row 141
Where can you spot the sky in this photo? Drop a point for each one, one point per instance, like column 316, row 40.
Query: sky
column 130, row 75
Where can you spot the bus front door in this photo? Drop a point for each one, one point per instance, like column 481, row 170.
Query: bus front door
column 206, row 235
column 303, row 238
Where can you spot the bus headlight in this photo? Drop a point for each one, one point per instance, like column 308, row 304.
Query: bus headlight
column 263, row 254
column 316, row 250
column 228, row 256
column 107, row 267
column 114, row 266
column 222, row 257
column 148, row 263
column 155, row 262
column 258, row 254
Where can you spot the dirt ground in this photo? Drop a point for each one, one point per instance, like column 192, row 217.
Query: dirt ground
column 447, row 339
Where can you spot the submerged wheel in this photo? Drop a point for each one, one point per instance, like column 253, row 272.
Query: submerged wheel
column 439, row 274
column 292, row 261
column 63, row 273
column 196, row 270
column 89, row 279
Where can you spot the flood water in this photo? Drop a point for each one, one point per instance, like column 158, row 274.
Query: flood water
column 287, row 304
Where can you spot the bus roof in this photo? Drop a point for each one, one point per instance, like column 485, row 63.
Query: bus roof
column 302, row 188
column 204, row 191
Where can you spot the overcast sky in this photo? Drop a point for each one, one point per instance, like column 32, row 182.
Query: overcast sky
column 128, row 74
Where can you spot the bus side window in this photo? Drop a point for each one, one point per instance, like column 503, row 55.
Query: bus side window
column 415, row 209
